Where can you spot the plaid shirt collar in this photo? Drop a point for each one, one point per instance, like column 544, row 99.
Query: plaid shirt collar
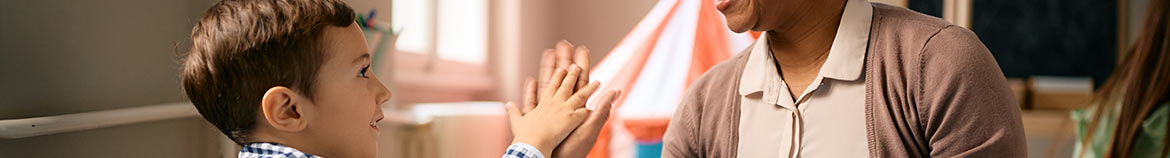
column 271, row 150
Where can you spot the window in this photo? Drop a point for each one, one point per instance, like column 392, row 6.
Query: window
column 455, row 30
column 441, row 51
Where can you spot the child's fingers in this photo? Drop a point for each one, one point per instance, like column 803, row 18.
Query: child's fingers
column 513, row 111
column 582, row 60
column 579, row 116
column 548, row 64
column 567, row 84
column 551, row 88
column 578, row 100
column 529, row 96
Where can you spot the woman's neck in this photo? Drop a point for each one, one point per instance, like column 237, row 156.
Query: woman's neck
column 805, row 42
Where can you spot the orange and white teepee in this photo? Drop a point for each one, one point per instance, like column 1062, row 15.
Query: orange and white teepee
column 654, row 64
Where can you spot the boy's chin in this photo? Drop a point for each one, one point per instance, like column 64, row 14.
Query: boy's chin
column 367, row 152
column 371, row 154
column 372, row 148
column 364, row 147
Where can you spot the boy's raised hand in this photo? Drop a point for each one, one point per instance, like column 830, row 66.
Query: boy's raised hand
column 561, row 109
column 579, row 143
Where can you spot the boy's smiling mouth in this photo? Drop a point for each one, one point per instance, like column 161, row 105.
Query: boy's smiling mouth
column 374, row 124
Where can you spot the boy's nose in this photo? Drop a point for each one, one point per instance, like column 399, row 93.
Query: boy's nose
column 382, row 94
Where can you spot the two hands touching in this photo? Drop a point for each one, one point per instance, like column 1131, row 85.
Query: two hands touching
column 553, row 117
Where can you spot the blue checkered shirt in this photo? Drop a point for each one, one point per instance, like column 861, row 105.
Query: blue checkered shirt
column 521, row 150
column 271, row 150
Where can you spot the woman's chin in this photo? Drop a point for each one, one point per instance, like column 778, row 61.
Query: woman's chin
column 739, row 23
column 738, row 27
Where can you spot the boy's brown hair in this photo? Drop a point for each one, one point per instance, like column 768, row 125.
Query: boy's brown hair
column 242, row 48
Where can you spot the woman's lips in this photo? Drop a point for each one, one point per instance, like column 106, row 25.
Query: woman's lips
column 722, row 5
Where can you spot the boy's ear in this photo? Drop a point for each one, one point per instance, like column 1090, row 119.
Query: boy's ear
column 280, row 109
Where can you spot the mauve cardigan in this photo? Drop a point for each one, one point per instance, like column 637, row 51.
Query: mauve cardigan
column 932, row 90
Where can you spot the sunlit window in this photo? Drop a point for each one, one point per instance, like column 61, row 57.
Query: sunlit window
column 457, row 28
column 413, row 18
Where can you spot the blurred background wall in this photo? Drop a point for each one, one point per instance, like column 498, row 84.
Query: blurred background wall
column 64, row 56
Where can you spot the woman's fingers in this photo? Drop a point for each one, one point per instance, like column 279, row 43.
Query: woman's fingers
column 564, row 51
column 604, row 104
column 582, row 60
column 548, row 64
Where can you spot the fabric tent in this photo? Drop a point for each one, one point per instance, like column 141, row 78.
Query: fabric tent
column 654, row 64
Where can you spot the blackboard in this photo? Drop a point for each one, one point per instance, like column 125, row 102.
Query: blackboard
column 1044, row 37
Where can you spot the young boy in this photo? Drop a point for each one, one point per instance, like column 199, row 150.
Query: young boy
column 291, row 78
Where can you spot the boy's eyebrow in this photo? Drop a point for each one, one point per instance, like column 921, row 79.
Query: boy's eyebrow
column 364, row 56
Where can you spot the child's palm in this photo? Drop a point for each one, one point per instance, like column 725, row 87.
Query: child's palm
column 559, row 111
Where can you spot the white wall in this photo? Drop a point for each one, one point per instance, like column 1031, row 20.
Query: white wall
column 69, row 56
column 598, row 24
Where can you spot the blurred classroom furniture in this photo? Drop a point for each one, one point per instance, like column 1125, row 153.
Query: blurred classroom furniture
column 1046, row 102
column 445, row 130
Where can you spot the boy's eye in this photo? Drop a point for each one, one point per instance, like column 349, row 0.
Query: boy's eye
column 363, row 72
